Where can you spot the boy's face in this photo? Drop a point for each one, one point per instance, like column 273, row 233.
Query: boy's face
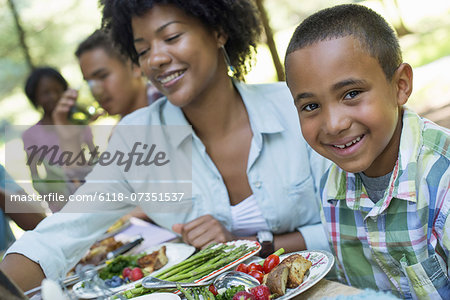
column 117, row 81
column 349, row 112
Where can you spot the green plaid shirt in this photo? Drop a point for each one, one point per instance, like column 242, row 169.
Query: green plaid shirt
column 401, row 243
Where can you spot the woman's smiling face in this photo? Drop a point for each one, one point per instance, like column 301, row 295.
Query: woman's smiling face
column 178, row 54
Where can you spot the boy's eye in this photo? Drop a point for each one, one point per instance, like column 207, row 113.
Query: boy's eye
column 310, row 107
column 352, row 94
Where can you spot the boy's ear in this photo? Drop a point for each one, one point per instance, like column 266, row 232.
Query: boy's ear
column 403, row 79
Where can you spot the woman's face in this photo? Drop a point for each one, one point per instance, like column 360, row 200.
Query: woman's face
column 48, row 92
column 178, row 54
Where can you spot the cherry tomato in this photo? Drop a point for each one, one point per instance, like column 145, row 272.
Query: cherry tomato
column 242, row 268
column 136, row 274
column 257, row 274
column 126, row 272
column 271, row 262
column 213, row 289
column 255, row 267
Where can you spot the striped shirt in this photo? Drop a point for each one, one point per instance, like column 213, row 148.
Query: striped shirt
column 401, row 243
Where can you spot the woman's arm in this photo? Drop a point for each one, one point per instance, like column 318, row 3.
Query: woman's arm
column 206, row 229
column 32, row 214
column 290, row 242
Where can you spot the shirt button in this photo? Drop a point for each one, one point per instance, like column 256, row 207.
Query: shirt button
column 395, row 272
column 257, row 184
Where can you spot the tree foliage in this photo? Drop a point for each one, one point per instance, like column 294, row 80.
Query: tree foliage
column 51, row 30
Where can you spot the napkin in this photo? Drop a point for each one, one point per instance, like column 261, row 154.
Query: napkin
column 50, row 290
column 152, row 234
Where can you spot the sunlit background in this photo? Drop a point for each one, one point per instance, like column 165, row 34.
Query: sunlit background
column 52, row 29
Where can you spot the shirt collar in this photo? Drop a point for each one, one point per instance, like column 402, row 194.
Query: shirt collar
column 346, row 186
column 262, row 114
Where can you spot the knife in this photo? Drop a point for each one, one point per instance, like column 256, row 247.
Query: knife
column 124, row 248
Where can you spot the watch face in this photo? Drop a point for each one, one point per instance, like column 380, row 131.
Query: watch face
column 265, row 236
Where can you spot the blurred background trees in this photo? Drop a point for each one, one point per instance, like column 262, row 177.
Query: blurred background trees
column 46, row 32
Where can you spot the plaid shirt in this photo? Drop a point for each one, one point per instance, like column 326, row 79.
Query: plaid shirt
column 401, row 243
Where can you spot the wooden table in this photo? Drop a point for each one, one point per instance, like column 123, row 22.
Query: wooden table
column 327, row 288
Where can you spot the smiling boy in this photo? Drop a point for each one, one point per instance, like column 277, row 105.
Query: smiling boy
column 386, row 200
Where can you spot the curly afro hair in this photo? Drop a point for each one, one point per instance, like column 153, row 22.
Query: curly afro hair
column 238, row 19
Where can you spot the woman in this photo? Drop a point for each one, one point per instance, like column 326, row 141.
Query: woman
column 251, row 170
column 181, row 48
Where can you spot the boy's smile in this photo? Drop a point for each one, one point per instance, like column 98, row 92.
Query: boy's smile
column 349, row 111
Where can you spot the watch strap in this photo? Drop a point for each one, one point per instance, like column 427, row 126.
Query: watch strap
column 265, row 238
column 267, row 248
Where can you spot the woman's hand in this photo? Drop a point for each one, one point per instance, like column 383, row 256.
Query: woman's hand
column 60, row 114
column 203, row 231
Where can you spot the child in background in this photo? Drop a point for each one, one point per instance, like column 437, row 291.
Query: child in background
column 385, row 202
column 44, row 87
column 116, row 83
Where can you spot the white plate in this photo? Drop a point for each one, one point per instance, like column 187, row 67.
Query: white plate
column 158, row 296
column 176, row 252
column 322, row 262
column 249, row 244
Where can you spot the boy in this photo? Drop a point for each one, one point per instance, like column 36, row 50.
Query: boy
column 385, row 203
column 118, row 84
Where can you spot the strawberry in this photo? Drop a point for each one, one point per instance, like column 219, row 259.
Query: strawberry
column 261, row 292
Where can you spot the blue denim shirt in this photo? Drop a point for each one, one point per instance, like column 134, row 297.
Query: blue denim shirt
column 282, row 171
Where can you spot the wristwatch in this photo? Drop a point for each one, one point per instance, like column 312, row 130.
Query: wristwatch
column 265, row 238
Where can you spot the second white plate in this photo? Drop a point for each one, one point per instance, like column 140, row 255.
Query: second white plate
column 175, row 252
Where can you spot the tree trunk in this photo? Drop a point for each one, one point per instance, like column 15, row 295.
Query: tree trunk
column 270, row 41
column 21, row 33
column 400, row 28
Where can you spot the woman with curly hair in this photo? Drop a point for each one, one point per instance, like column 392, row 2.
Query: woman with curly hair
column 251, row 170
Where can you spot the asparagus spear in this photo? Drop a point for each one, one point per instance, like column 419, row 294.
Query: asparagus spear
column 278, row 253
column 199, row 257
column 185, row 293
column 196, row 267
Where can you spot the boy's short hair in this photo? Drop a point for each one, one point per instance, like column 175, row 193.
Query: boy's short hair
column 371, row 29
column 100, row 39
column 35, row 77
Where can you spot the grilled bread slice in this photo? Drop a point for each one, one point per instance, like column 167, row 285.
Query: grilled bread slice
column 298, row 266
column 153, row 261
column 277, row 279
